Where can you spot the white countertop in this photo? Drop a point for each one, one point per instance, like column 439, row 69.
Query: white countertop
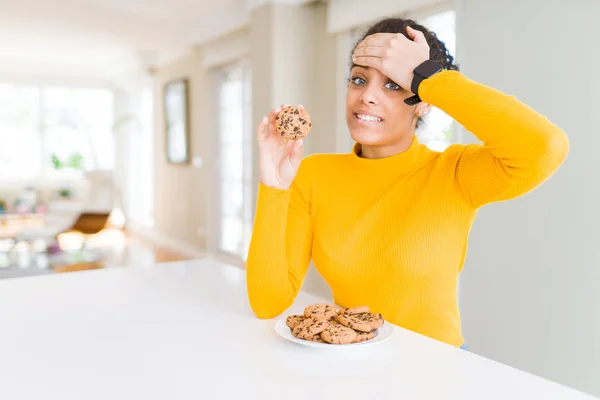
column 185, row 331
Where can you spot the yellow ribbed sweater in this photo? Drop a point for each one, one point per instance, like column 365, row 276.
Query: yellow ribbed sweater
column 392, row 233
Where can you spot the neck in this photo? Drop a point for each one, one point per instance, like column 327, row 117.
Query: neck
column 374, row 152
column 390, row 161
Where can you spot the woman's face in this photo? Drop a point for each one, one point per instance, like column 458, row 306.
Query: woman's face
column 375, row 110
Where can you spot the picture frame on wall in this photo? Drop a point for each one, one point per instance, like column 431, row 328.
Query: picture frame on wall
column 176, row 110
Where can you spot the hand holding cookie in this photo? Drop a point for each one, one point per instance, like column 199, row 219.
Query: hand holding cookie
column 280, row 145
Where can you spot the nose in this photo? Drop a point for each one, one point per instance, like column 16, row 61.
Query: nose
column 369, row 95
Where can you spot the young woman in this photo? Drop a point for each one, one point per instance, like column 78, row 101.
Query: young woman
column 387, row 225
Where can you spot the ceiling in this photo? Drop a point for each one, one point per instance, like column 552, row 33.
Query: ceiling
column 105, row 38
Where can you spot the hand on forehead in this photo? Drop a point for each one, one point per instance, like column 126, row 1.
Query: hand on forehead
column 380, row 39
column 393, row 54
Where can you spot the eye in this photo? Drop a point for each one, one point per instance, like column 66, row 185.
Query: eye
column 392, row 86
column 357, row 80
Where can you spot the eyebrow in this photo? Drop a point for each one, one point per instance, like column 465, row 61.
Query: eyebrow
column 368, row 68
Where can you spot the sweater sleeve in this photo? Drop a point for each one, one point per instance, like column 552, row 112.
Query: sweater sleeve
column 280, row 247
column 520, row 149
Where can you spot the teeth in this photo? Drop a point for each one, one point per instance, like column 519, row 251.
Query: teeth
column 368, row 118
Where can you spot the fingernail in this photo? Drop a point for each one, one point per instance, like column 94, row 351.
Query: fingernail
column 265, row 119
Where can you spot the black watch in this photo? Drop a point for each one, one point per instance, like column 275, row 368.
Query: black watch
column 423, row 71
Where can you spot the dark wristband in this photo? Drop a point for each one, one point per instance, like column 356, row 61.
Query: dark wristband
column 423, row 71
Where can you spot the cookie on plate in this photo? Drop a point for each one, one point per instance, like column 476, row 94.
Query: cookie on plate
column 338, row 334
column 365, row 322
column 363, row 336
column 375, row 320
column 315, row 338
column 294, row 320
column 320, row 310
column 293, row 123
column 310, row 327
column 356, row 310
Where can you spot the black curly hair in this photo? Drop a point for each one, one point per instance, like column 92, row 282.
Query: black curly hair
column 437, row 48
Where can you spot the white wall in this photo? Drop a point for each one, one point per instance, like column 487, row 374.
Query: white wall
column 282, row 61
column 530, row 291
column 343, row 15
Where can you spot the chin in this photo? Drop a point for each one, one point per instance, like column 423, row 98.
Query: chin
column 369, row 137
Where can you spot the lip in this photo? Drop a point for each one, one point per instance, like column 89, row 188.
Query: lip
column 368, row 123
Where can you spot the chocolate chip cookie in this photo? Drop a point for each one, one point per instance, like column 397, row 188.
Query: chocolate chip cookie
column 363, row 336
column 310, row 327
column 320, row 310
column 315, row 338
column 293, row 123
column 338, row 335
column 357, row 310
column 294, row 320
column 365, row 322
column 375, row 320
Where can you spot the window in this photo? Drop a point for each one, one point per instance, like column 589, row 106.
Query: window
column 135, row 135
column 44, row 129
column 235, row 158
column 145, row 166
column 21, row 150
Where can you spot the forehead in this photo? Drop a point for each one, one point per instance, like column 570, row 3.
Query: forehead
column 367, row 71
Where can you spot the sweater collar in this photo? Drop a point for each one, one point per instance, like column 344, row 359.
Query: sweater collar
column 400, row 163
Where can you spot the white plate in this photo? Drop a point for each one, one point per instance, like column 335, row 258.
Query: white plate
column 383, row 333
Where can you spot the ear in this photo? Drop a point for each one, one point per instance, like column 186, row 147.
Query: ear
column 422, row 109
